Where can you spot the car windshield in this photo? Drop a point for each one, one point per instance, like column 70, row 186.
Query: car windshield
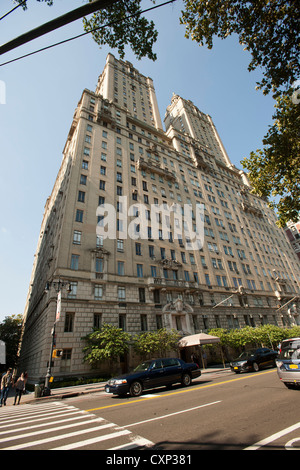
column 143, row 366
column 290, row 350
column 246, row 355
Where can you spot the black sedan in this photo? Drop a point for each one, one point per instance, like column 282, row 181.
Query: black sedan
column 153, row 373
column 254, row 360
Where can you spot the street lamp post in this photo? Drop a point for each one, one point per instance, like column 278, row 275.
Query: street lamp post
column 58, row 287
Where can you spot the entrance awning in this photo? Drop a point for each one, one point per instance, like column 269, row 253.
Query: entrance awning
column 198, row 339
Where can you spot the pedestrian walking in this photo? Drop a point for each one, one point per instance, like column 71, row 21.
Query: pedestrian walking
column 20, row 386
column 6, row 383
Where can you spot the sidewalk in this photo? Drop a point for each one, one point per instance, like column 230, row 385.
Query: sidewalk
column 68, row 392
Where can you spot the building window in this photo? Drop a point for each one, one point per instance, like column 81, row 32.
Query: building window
column 122, row 321
column 207, row 280
column 121, row 293
column 156, row 296
column 74, row 262
column 77, row 237
column 98, row 293
column 142, row 297
column 97, row 320
column 79, row 216
column 138, row 249
column 83, row 179
column 120, row 245
column 81, row 196
column 139, row 270
column 73, row 292
column 121, row 270
column 144, row 323
column 69, row 322
column 159, row 322
column 99, row 265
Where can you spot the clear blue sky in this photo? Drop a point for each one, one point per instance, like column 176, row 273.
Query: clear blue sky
column 42, row 92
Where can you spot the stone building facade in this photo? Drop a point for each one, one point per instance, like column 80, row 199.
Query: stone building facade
column 118, row 154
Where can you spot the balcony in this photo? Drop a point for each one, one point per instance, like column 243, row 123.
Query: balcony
column 171, row 283
column 142, row 164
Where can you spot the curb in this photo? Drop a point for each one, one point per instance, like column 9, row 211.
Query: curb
column 58, row 394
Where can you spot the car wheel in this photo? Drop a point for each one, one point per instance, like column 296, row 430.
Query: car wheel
column 291, row 386
column 255, row 367
column 186, row 380
column 136, row 389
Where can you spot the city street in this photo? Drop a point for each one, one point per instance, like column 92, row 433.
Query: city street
column 220, row 411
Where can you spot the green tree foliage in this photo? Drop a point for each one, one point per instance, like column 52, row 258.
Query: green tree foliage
column 10, row 333
column 125, row 26
column 156, row 343
column 267, row 335
column 106, row 343
column 119, row 25
column 274, row 171
column 269, row 30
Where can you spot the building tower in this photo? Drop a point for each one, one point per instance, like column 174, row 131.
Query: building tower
column 118, row 154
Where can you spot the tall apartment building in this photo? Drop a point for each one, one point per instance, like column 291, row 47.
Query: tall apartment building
column 117, row 151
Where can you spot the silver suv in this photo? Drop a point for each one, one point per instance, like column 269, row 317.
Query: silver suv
column 288, row 363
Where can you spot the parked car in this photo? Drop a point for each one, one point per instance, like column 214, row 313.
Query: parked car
column 288, row 363
column 254, row 360
column 153, row 373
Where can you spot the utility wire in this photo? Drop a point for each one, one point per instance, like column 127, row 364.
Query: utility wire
column 9, row 12
column 87, row 32
column 56, row 23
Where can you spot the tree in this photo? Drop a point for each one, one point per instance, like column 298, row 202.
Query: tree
column 10, row 333
column 135, row 31
column 156, row 342
column 274, row 170
column 106, row 343
column 269, row 30
column 119, row 25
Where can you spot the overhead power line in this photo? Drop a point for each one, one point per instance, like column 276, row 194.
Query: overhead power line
column 13, row 9
column 87, row 32
column 56, row 23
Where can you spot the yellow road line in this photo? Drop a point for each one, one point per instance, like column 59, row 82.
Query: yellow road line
column 192, row 389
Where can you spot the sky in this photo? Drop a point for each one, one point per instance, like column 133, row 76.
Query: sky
column 39, row 94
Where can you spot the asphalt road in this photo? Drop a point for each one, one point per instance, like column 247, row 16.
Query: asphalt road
column 220, row 411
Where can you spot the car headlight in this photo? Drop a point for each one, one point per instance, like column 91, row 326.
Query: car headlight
column 279, row 363
column 120, row 381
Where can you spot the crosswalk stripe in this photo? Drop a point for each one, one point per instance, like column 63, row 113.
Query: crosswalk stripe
column 29, row 421
column 57, row 428
column 76, row 445
column 41, row 417
column 65, row 436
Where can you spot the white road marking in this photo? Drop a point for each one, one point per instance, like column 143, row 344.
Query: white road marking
column 87, row 442
column 172, row 414
column 275, row 436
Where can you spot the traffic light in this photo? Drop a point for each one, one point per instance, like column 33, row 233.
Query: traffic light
column 57, row 353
